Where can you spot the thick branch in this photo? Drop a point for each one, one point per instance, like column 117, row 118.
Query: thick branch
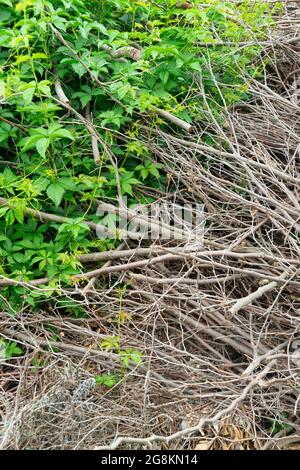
column 174, row 120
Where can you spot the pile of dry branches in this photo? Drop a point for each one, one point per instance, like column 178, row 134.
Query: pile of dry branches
column 217, row 323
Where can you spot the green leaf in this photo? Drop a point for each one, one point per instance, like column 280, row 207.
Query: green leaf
column 130, row 354
column 5, row 37
column 164, row 76
column 106, row 379
column 102, row 29
column 196, row 66
column 126, row 183
column 5, row 15
column 12, row 349
column 19, row 214
column 3, row 211
column 29, row 142
column 55, row 192
column 41, row 184
column 22, row 58
column 42, row 145
column 136, row 356
column 63, row 133
column 10, row 217
column 144, row 173
column 28, row 95
column 39, row 55
column 79, row 69
column 52, row 271
column 6, row 2
column 19, row 257
column 85, row 98
column 44, row 87
column 67, row 183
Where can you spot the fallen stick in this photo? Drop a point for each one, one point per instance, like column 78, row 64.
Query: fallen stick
column 37, row 342
column 174, row 120
column 182, row 280
column 13, row 124
column 4, row 282
column 246, row 301
column 95, row 147
column 148, row 262
column 157, row 227
column 108, row 263
column 221, row 153
column 45, row 216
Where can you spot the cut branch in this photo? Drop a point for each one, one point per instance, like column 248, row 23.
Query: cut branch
column 174, row 120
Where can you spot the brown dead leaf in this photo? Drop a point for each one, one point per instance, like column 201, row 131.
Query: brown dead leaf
column 203, row 445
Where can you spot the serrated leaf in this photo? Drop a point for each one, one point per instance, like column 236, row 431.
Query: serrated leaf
column 3, row 211
column 22, row 58
column 55, row 192
column 101, row 28
column 106, row 379
column 144, row 173
column 79, row 69
column 9, row 217
column 85, row 99
column 28, row 142
column 19, row 257
column 27, row 244
column 41, row 145
column 164, row 76
column 154, row 171
column 28, row 95
column 5, row 38
column 67, row 183
column 196, row 66
column 39, row 55
column 44, row 87
column 63, row 133
column 41, row 184
column 19, row 214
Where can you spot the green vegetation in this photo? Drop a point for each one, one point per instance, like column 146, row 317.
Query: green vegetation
column 9, row 349
column 118, row 62
column 85, row 89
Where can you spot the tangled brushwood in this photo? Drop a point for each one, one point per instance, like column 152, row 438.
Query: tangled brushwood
column 167, row 344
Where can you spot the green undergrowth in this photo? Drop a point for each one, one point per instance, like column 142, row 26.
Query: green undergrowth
column 46, row 159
